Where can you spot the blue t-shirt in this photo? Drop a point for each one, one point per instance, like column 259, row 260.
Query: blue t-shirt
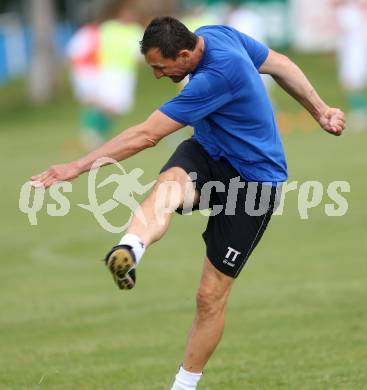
column 227, row 104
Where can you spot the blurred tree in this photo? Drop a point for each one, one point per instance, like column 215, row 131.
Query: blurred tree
column 43, row 64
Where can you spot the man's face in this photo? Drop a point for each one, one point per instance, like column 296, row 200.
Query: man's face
column 176, row 69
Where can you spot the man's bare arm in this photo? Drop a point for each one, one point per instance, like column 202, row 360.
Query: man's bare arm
column 121, row 147
column 291, row 78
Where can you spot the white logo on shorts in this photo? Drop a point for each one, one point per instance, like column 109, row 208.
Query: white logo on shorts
column 231, row 257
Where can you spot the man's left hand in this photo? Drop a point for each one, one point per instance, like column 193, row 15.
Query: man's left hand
column 333, row 121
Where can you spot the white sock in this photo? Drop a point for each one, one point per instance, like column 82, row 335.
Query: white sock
column 136, row 244
column 186, row 380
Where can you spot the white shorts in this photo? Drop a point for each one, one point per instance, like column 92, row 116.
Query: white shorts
column 116, row 91
column 85, row 85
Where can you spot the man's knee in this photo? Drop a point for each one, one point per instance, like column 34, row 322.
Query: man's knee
column 209, row 303
column 174, row 187
column 213, row 293
column 175, row 174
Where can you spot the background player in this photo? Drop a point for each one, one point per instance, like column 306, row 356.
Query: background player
column 352, row 58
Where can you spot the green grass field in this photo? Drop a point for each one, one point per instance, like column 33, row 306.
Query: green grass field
column 297, row 315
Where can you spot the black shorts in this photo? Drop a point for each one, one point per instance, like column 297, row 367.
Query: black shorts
column 232, row 233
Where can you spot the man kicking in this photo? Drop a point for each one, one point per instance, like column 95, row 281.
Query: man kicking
column 235, row 137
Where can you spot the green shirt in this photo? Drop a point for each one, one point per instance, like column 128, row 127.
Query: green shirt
column 119, row 45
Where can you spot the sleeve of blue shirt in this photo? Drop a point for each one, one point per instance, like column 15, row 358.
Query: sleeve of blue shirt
column 204, row 94
column 257, row 51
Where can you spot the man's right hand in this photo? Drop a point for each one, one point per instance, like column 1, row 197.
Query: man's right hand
column 56, row 173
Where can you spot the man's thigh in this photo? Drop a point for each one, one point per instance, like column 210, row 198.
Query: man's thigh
column 176, row 178
column 191, row 158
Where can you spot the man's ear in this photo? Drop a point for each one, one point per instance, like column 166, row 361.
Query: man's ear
column 184, row 53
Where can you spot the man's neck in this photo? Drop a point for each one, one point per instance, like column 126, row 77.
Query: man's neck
column 198, row 53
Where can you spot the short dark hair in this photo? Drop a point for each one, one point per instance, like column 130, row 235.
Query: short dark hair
column 168, row 35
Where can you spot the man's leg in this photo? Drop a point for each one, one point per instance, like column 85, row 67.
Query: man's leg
column 208, row 325
column 150, row 222
column 152, row 218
